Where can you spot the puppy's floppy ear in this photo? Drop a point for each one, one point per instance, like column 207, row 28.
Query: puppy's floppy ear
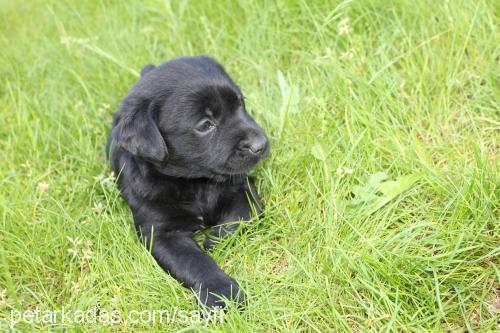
column 136, row 130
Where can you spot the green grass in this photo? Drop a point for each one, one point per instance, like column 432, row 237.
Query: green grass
column 381, row 190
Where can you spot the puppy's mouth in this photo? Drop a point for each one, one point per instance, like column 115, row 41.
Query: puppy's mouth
column 242, row 163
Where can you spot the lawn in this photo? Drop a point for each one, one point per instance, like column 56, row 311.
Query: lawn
column 381, row 189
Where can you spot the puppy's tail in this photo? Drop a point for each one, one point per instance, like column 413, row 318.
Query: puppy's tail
column 146, row 69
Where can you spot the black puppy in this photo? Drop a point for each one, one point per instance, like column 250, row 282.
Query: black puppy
column 181, row 144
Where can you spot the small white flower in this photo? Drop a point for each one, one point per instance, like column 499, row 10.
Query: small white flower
column 75, row 286
column 344, row 171
column 106, row 179
column 43, row 186
column 328, row 55
column 99, row 178
column 343, row 27
column 86, row 254
column 117, row 295
column 80, row 249
column 98, row 207
column 75, row 241
column 103, row 108
column 349, row 54
column 3, row 297
column 74, row 253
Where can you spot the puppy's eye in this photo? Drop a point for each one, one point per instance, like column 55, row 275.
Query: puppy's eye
column 205, row 126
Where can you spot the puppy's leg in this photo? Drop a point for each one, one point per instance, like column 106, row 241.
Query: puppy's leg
column 179, row 255
column 241, row 208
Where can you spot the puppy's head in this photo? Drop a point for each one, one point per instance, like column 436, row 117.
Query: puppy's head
column 188, row 118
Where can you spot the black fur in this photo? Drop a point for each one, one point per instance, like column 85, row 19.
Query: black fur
column 181, row 143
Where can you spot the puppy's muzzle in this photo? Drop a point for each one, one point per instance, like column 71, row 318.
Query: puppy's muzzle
column 255, row 144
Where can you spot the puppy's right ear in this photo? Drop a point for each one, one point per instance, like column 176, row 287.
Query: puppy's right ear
column 136, row 130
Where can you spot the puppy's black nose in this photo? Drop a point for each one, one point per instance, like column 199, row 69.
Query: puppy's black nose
column 255, row 145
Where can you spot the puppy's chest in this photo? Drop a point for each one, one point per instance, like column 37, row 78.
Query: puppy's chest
column 206, row 204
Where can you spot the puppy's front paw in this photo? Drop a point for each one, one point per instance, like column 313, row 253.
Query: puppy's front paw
column 218, row 292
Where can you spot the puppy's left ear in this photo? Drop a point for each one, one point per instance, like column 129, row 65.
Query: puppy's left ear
column 136, row 131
